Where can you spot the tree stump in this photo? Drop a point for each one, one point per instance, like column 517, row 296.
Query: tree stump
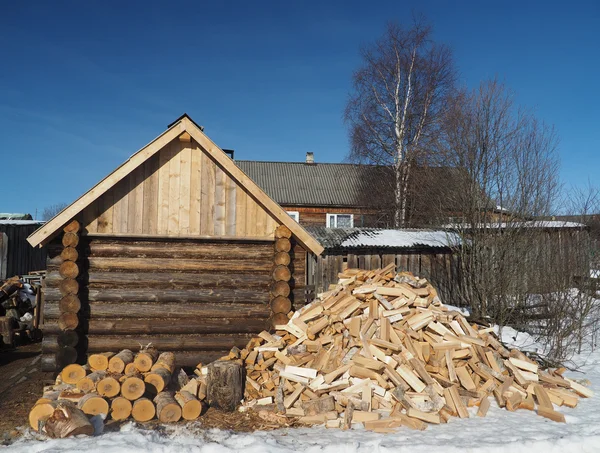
column 67, row 420
column 225, row 385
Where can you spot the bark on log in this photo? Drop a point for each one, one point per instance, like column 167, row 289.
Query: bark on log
column 283, row 245
column 165, row 360
column 72, row 227
column 71, row 374
column 70, row 239
column 170, row 310
column 68, row 321
column 68, row 269
column 280, row 289
column 169, row 326
column 176, row 264
column 120, row 408
column 168, row 280
column 103, row 343
column 178, row 249
column 282, row 258
column 40, row 413
column 68, row 286
column 144, row 359
column 108, row 387
column 88, row 383
column 133, row 388
column 116, row 364
column 92, row 404
column 99, row 362
column 225, row 385
column 69, row 304
column 281, row 305
column 67, row 420
column 157, row 380
column 148, row 294
column 281, row 274
column 69, row 254
column 279, row 319
column 167, row 409
column 143, row 410
column 283, row 232
column 67, row 338
column 65, row 355
column 191, row 408
column 48, row 362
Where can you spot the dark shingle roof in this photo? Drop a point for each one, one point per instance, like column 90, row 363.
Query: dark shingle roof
column 298, row 183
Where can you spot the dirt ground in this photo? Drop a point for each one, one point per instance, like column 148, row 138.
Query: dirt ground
column 21, row 383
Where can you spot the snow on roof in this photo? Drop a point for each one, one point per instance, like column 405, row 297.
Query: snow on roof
column 21, row 222
column 516, row 224
column 347, row 238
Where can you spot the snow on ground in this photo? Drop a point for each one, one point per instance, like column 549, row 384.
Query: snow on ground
column 499, row 432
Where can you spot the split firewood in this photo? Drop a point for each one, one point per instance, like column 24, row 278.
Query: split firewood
column 67, row 420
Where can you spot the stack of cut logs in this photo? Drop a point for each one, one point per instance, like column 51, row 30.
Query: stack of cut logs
column 141, row 386
column 280, row 287
column 381, row 349
column 69, row 304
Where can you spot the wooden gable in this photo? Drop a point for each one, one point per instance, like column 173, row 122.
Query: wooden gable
column 179, row 191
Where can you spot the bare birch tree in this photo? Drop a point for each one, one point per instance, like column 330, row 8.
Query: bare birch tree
column 399, row 96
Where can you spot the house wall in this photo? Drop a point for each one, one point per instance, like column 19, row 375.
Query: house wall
column 317, row 215
column 180, row 191
column 21, row 257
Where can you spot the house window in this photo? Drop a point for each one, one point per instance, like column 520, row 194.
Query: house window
column 340, row 220
column 294, row 215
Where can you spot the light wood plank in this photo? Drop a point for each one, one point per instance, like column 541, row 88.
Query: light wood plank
column 195, row 195
column 184, row 188
column 251, row 212
column 150, row 209
column 208, row 196
column 230, row 204
column 270, row 226
column 174, row 183
column 105, row 219
column 163, row 190
column 219, row 222
column 261, row 220
column 240, row 211
column 138, row 174
column 121, row 203
column 90, row 218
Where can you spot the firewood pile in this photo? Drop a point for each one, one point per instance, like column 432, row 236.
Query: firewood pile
column 123, row 386
column 382, row 350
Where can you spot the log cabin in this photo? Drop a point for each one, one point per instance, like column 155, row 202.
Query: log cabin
column 177, row 247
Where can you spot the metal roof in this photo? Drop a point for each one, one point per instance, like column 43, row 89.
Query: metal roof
column 355, row 238
column 318, row 184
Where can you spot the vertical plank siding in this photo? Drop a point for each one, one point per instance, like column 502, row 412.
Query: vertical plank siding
column 180, row 191
column 20, row 256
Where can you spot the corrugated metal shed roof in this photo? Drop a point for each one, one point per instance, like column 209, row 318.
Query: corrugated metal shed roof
column 354, row 238
column 319, row 184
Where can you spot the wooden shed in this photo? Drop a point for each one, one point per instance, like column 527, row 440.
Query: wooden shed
column 176, row 247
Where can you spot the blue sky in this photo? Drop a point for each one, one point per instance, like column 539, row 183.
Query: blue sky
column 83, row 85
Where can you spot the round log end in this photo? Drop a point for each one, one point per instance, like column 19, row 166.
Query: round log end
column 120, row 408
column 143, row 410
column 72, row 227
column 283, row 232
column 71, row 374
column 70, row 240
column 282, row 258
column 280, row 289
column 40, row 412
column 279, row 319
column 68, row 286
column 283, row 245
column 69, row 254
column 68, row 321
column 108, row 387
column 92, row 404
column 133, row 388
column 282, row 274
column 69, row 304
column 68, row 269
column 281, row 305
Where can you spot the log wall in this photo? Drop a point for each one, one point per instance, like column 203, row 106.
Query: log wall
column 197, row 298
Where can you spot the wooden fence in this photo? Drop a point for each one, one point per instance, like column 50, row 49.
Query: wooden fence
column 438, row 265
